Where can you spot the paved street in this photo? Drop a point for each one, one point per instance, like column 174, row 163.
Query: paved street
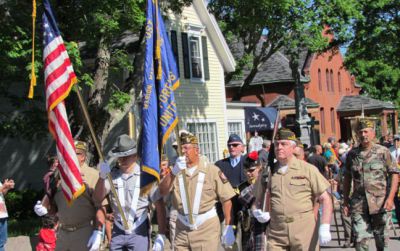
column 334, row 244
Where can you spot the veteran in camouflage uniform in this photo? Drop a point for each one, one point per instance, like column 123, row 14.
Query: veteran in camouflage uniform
column 375, row 178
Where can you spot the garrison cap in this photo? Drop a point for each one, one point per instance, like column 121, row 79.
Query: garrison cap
column 285, row 134
column 365, row 123
column 189, row 139
column 80, row 145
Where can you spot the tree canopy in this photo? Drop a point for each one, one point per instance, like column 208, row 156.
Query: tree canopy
column 373, row 55
column 93, row 31
column 291, row 26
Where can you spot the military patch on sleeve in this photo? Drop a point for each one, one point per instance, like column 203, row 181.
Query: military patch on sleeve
column 222, row 176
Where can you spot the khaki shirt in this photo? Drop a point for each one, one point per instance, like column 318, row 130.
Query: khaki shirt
column 293, row 192
column 214, row 187
column 89, row 175
column 82, row 210
column 369, row 170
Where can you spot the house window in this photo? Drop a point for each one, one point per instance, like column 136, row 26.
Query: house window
column 333, row 125
column 196, row 65
column 195, row 54
column 328, row 85
column 322, row 117
column 319, row 80
column 236, row 128
column 332, row 83
column 339, row 79
column 207, row 135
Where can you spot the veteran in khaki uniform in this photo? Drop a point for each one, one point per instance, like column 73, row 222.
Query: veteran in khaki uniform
column 205, row 186
column 77, row 220
column 292, row 188
column 370, row 167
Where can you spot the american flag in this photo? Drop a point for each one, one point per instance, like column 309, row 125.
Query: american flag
column 59, row 79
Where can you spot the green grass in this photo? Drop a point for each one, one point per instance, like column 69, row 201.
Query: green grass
column 27, row 227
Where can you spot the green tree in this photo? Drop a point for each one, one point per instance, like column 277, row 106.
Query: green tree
column 373, row 55
column 93, row 31
column 291, row 25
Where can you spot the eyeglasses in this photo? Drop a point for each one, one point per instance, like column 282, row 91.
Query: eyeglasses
column 233, row 145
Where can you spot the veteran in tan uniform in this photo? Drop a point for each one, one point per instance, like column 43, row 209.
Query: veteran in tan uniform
column 205, row 185
column 292, row 187
column 78, row 220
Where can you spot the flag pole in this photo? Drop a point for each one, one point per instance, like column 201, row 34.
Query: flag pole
column 185, row 185
column 101, row 156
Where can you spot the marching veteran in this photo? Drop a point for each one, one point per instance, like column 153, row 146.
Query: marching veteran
column 292, row 188
column 78, row 220
column 204, row 187
column 374, row 175
column 134, row 202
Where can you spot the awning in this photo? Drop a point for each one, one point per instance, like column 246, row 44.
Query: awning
column 260, row 118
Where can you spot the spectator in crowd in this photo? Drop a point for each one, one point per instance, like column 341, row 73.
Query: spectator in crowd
column 317, row 160
column 264, row 152
column 47, row 234
column 4, row 188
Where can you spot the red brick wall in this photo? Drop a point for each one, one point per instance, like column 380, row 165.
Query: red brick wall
column 329, row 97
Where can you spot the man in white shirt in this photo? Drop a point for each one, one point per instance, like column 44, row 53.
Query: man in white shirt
column 8, row 184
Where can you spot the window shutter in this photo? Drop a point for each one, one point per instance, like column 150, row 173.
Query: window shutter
column 174, row 45
column 205, row 58
column 185, row 49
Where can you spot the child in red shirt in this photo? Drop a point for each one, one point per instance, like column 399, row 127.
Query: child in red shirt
column 47, row 234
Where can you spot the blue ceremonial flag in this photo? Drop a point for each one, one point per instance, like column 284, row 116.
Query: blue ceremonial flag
column 161, row 79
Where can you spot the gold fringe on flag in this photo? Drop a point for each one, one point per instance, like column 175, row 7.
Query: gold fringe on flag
column 33, row 73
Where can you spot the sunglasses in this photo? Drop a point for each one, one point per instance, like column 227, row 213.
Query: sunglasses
column 233, row 145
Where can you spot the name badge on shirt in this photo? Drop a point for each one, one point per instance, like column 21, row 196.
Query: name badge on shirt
column 299, row 177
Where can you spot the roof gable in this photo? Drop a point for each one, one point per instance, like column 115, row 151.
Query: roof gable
column 215, row 35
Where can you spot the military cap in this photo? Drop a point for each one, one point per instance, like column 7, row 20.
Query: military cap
column 365, row 123
column 396, row 137
column 80, row 145
column 234, row 138
column 189, row 139
column 124, row 146
column 285, row 134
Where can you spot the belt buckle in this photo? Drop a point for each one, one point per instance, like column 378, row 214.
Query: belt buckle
column 289, row 219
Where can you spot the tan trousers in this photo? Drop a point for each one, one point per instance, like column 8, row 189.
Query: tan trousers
column 205, row 238
column 298, row 235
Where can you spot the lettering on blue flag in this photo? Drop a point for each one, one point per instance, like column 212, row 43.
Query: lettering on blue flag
column 161, row 79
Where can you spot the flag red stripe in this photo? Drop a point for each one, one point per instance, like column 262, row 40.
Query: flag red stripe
column 59, row 92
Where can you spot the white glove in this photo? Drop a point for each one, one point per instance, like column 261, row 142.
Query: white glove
column 39, row 209
column 261, row 216
column 324, row 234
column 159, row 243
column 104, row 170
column 94, row 241
column 228, row 236
column 180, row 164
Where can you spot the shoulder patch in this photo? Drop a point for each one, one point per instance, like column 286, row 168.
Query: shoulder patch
column 222, row 176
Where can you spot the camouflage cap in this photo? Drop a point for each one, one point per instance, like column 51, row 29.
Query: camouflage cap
column 80, row 145
column 365, row 123
column 285, row 134
column 189, row 139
